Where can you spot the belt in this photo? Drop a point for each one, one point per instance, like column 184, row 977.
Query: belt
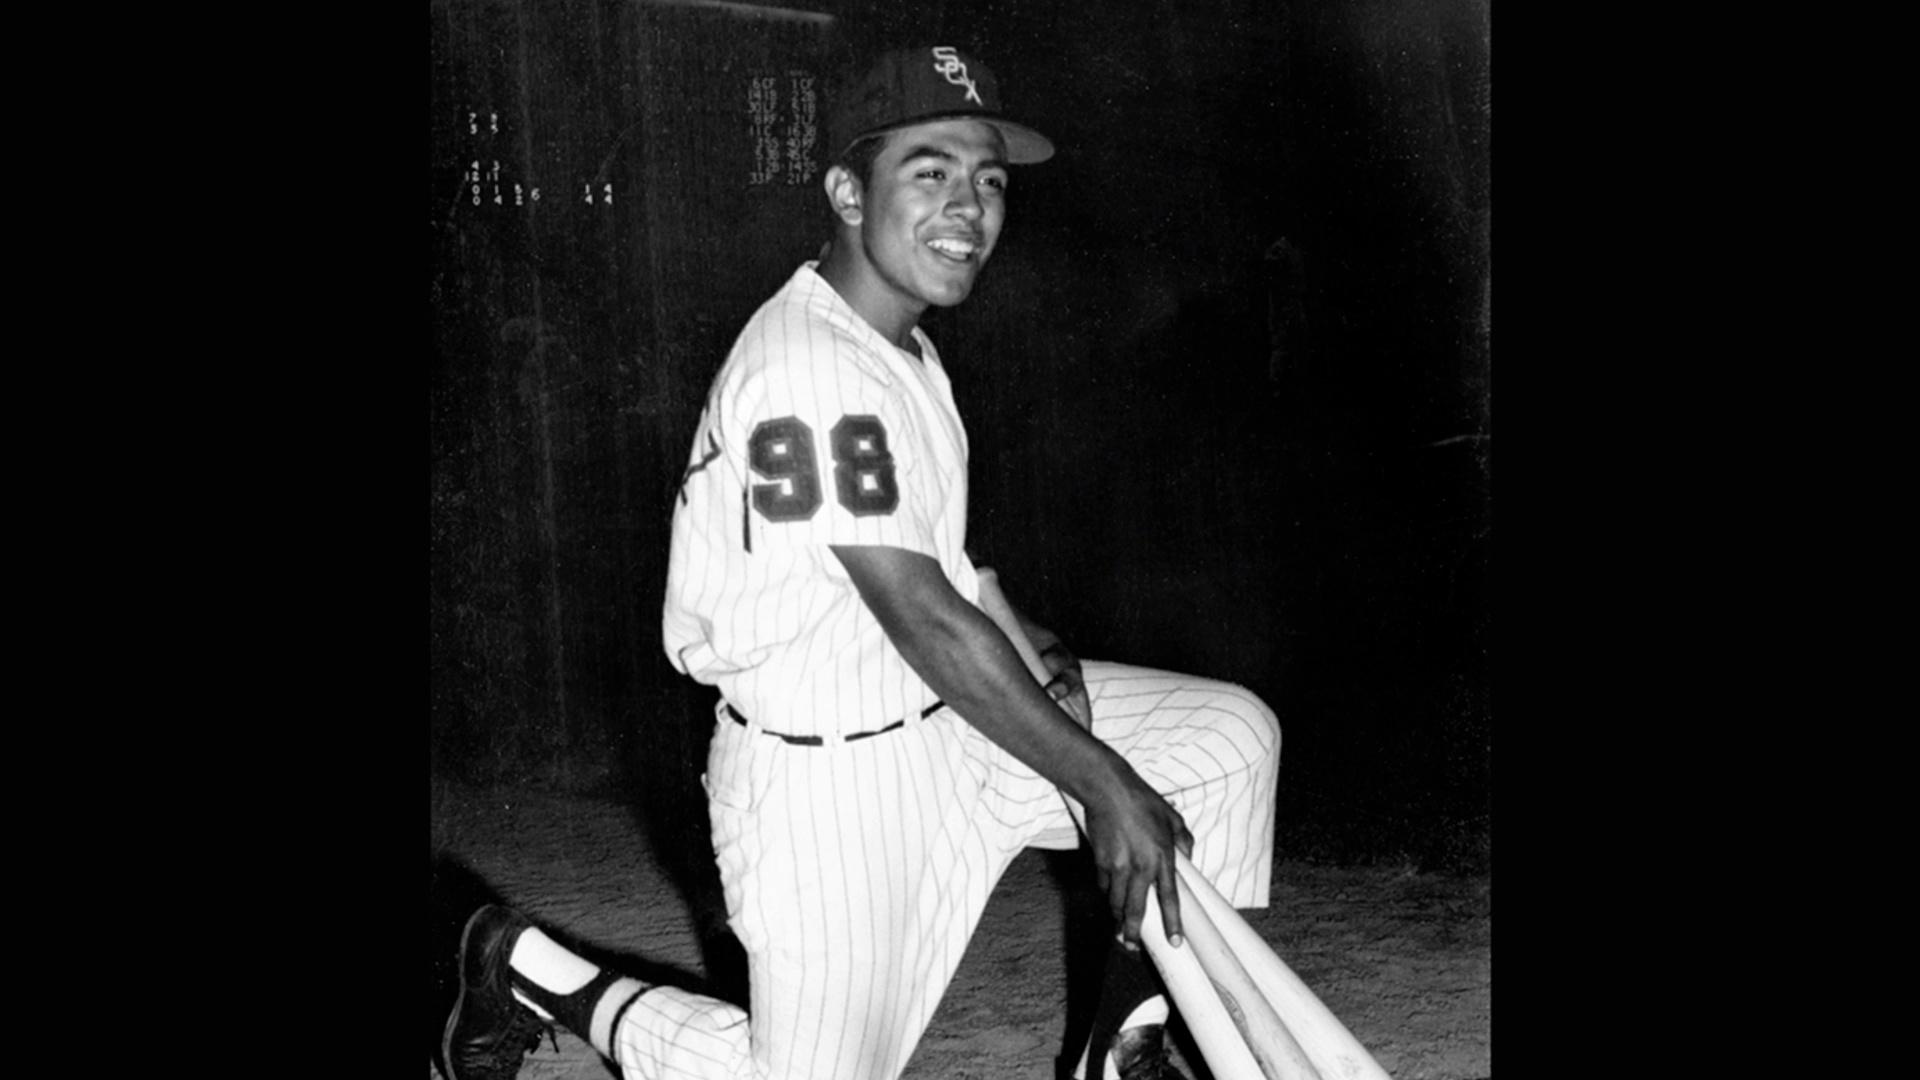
column 818, row 740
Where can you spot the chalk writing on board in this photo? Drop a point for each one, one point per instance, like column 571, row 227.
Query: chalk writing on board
column 485, row 183
column 783, row 113
column 763, row 110
column 802, row 131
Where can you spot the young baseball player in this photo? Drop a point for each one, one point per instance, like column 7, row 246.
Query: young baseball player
column 880, row 753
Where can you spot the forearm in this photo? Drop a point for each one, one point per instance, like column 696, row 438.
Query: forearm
column 969, row 662
column 975, row 670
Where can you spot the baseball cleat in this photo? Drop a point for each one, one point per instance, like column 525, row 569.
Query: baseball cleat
column 1140, row 1053
column 489, row 1032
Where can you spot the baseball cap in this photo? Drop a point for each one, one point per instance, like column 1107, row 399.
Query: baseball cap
column 939, row 82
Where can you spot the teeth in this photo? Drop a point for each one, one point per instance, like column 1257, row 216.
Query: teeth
column 959, row 249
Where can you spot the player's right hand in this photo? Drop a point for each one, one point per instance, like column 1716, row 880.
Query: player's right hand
column 1134, row 833
column 1070, row 693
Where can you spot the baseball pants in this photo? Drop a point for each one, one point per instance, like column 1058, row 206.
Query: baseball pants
column 855, row 873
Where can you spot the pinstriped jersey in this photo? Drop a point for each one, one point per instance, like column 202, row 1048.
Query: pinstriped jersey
column 817, row 431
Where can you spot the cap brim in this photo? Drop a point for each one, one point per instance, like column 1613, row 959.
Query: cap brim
column 1025, row 146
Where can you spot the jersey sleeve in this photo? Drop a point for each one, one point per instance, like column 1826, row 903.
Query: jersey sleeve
column 831, row 453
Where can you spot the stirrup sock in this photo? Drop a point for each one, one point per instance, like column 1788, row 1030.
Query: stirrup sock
column 574, row 1011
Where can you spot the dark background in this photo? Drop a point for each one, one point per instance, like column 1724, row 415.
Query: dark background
column 1227, row 378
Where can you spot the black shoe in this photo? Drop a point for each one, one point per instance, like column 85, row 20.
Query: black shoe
column 1140, row 1053
column 490, row 1032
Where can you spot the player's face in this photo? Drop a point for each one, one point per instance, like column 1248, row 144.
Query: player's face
column 934, row 209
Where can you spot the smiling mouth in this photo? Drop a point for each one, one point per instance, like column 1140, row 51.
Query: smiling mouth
column 954, row 249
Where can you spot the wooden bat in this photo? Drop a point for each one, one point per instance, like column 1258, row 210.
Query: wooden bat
column 1238, row 1029
column 1254, row 1016
column 1327, row 1042
column 1206, row 1014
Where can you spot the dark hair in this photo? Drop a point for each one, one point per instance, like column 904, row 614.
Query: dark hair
column 859, row 157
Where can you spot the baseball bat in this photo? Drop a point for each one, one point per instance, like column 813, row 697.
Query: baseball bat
column 1254, row 1016
column 1228, row 1055
column 1238, row 1030
column 1327, row 1042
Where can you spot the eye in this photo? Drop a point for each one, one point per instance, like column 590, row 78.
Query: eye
column 932, row 174
column 995, row 181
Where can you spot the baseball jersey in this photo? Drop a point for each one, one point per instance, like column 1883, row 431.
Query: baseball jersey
column 817, row 431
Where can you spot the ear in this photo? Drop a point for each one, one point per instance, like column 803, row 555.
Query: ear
column 844, row 194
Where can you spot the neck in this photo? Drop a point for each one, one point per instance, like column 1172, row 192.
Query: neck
column 868, row 296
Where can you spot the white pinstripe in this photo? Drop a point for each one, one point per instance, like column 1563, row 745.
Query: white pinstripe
column 770, row 616
column 855, row 872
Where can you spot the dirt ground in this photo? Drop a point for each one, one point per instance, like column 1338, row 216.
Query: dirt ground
column 1404, row 959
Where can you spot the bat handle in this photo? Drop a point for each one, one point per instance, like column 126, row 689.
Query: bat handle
column 994, row 603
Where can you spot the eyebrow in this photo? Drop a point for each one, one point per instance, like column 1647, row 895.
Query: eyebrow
column 928, row 150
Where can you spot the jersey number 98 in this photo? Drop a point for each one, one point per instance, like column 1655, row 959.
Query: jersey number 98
column 782, row 452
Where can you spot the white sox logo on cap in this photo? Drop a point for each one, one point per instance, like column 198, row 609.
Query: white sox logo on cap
column 950, row 65
column 918, row 84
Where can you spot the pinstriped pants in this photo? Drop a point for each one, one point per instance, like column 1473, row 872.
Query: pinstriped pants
column 856, row 873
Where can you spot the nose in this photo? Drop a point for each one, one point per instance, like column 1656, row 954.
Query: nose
column 965, row 202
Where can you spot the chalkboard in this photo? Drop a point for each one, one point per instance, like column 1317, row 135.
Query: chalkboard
column 615, row 188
